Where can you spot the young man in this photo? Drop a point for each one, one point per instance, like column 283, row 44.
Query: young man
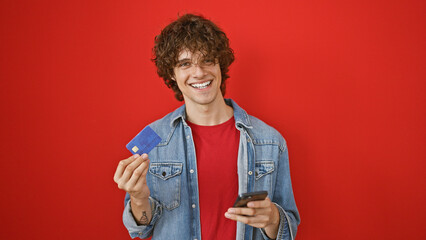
column 211, row 150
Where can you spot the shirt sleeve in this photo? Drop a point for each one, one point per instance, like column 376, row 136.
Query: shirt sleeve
column 141, row 231
column 284, row 200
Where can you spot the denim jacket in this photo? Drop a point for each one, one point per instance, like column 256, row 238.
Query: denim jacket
column 172, row 179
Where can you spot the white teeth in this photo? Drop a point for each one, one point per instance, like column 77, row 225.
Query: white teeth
column 201, row 85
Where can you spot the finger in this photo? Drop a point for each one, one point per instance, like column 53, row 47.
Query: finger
column 122, row 166
column 260, row 204
column 138, row 173
column 250, row 212
column 145, row 171
column 258, row 220
column 131, row 167
column 243, row 211
column 142, row 179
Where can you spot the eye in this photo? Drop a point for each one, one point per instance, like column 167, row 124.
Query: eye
column 208, row 61
column 184, row 64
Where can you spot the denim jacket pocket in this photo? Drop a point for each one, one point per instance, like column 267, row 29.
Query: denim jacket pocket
column 166, row 183
column 263, row 175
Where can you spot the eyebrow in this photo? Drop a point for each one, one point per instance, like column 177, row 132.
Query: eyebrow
column 189, row 59
column 184, row 59
column 181, row 61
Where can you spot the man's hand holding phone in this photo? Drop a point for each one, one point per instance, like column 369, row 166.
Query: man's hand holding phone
column 257, row 213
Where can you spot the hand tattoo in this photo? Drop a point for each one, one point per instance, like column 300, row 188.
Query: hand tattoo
column 144, row 219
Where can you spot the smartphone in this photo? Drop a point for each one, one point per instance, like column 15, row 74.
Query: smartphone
column 244, row 198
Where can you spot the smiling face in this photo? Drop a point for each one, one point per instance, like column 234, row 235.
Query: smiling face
column 198, row 78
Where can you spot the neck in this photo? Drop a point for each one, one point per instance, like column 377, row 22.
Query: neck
column 210, row 114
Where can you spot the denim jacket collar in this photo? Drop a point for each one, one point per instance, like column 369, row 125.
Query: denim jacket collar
column 241, row 116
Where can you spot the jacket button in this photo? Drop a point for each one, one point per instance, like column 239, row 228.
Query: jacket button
column 164, row 174
column 250, row 173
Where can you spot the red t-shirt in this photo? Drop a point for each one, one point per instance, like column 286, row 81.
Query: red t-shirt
column 217, row 153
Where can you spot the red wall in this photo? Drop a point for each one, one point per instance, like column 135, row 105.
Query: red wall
column 344, row 81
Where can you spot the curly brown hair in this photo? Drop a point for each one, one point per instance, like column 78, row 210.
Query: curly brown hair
column 196, row 34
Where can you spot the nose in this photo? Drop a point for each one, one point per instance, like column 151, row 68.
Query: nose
column 198, row 71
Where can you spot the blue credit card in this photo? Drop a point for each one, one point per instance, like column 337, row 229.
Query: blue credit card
column 144, row 142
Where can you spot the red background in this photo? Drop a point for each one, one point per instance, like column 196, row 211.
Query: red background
column 344, row 81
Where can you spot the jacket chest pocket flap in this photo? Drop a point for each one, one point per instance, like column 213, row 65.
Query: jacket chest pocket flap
column 263, row 176
column 166, row 183
column 263, row 168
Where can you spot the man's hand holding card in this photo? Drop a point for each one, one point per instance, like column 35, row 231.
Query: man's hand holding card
column 130, row 174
